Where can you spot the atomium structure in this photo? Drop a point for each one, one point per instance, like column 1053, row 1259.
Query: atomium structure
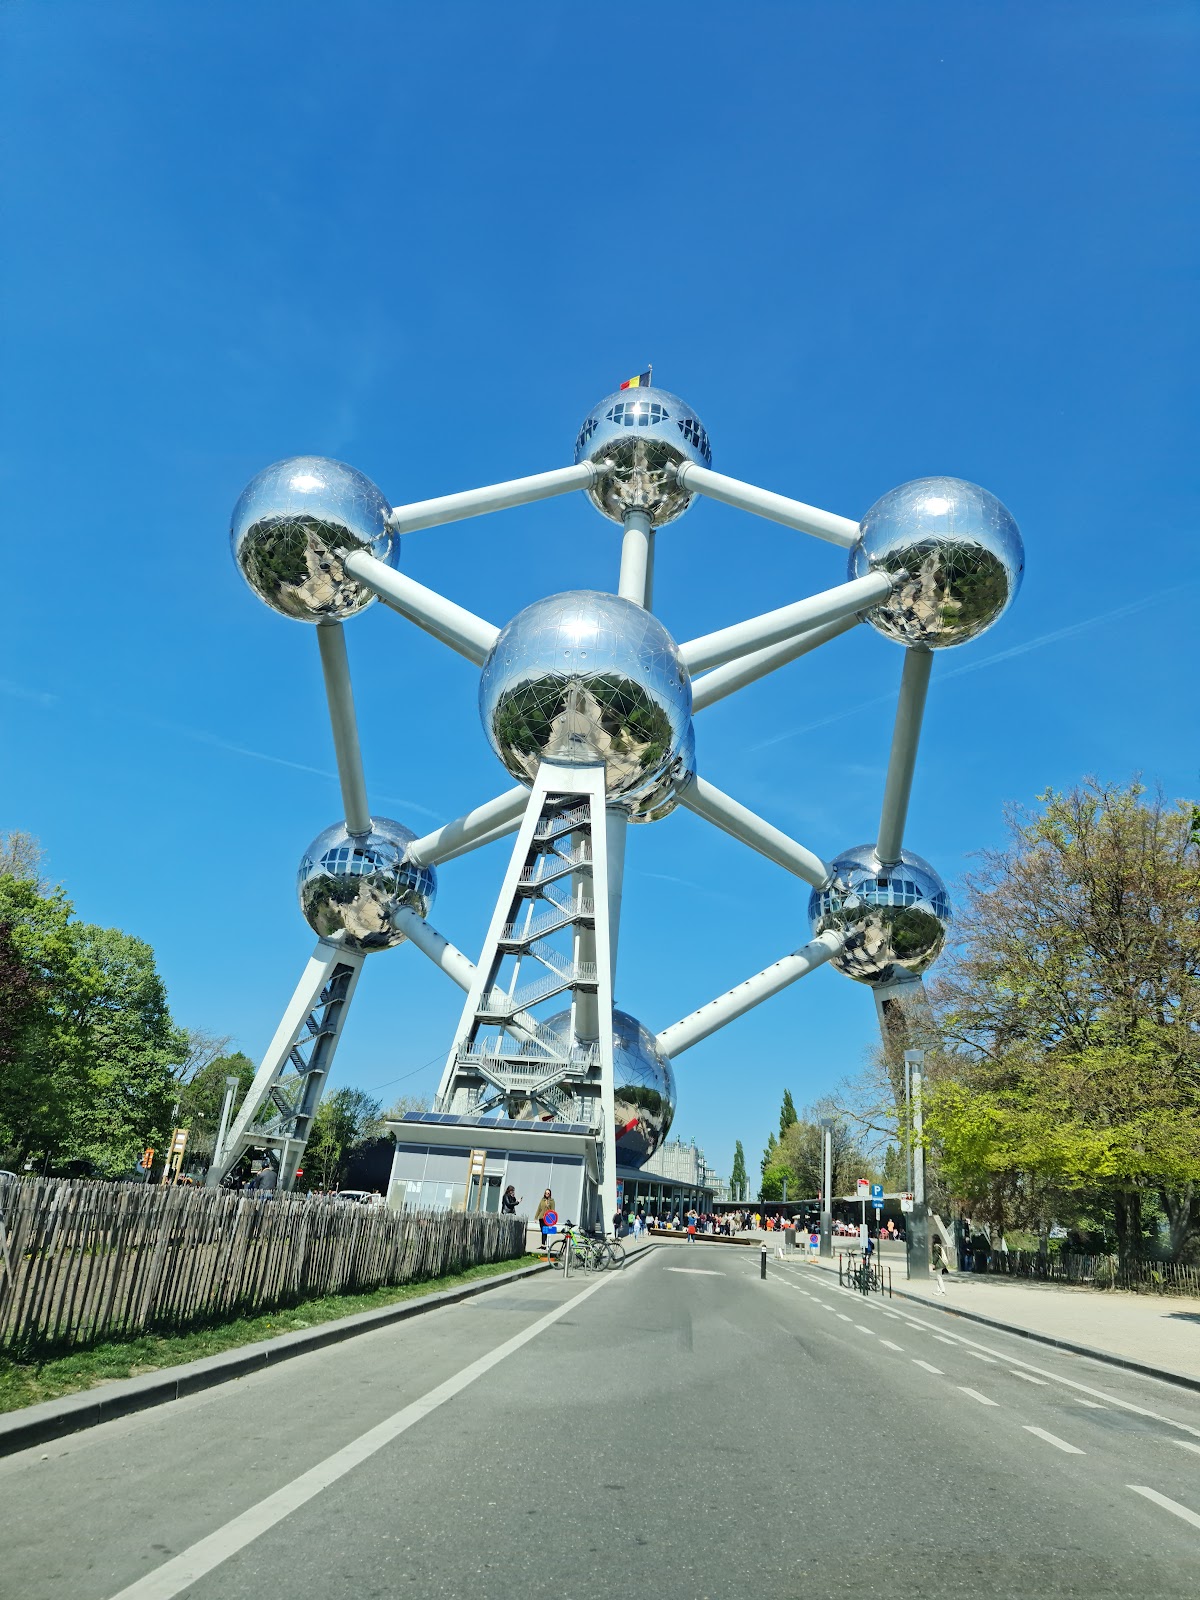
column 589, row 704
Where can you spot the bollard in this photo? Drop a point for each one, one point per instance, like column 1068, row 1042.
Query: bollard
column 762, row 1262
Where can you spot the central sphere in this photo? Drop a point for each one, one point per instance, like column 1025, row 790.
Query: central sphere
column 643, row 1085
column 586, row 677
column 351, row 884
column 895, row 917
column 642, row 432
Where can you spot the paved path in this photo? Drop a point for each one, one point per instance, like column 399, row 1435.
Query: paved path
column 678, row 1430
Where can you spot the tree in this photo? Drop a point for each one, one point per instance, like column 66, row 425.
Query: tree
column 738, row 1181
column 787, row 1113
column 1071, row 1013
column 203, row 1048
column 768, row 1154
column 344, row 1119
column 201, row 1099
column 21, row 856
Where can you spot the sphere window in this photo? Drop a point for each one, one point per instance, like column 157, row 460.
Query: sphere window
column 585, row 433
column 638, row 413
column 695, row 435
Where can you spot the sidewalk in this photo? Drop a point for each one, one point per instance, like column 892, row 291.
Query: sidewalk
column 1153, row 1330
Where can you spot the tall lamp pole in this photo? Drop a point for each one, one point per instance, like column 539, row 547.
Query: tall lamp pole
column 917, row 1232
column 827, row 1187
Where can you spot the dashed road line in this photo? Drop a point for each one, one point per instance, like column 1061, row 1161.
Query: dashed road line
column 975, row 1395
column 1029, row 1377
column 1186, row 1444
column 1167, row 1505
column 1052, row 1438
column 1092, row 1405
column 979, row 1356
column 861, row 1329
column 842, row 1317
column 891, row 1345
column 929, row 1367
column 942, row 1339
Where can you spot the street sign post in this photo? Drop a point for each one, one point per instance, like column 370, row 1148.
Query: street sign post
column 906, row 1203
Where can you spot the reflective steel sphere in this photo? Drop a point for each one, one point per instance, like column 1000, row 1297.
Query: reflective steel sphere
column 288, row 526
column 644, row 1084
column 351, row 884
column 962, row 552
column 659, row 797
column 642, row 432
column 585, row 677
column 896, row 917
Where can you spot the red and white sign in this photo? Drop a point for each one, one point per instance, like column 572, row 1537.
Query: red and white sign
column 906, row 1203
column 864, row 1188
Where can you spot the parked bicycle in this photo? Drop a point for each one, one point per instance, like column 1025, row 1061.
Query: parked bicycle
column 591, row 1251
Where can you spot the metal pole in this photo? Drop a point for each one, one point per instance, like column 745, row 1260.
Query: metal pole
column 917, row 1233
column 734, row 675
column 331, row 641
column 762, row 503
column 737, row 820
column 480, row 826
column 827, row 1190
column 744, row 638
column 454, row 625
column 231, row 1085
column 495, row 497
column 637, row 551
column 897, row 790
column 456, row 966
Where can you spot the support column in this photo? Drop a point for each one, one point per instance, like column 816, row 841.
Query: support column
column 827, row 1187
column 917, row 1232
column 637, row 559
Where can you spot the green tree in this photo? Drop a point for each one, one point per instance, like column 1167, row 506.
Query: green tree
column 738, row 1181
column 1071, row 1013
column 787, row 1113
column 344, row 1119
column 200, row 1100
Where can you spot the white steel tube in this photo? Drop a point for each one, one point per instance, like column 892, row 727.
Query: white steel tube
column 431, row 943
column 737, row 820
column 495, row 497
column 480, row 826
column 743, row 638
column 690, row 1030
column 331, row 641
column 775, row 507
column 637, row 555
column 897, row 790
column 734, row 675
column 462, row 630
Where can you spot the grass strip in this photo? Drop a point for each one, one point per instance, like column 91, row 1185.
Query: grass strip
column 25, row 1383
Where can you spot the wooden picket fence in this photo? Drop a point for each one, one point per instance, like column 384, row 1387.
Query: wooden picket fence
column 84, row 1261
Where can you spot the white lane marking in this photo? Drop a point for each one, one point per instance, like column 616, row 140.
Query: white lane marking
column 1052, row 1438
column 842, row 1317
column 1186, row 1444
column 1167, row 1505
column 200, row 1558
column 869, row 1331
column 909, row 1324
column 696, row 1272
column 895, row 1316
column 979, row 1356
column 1028, row 1376
column 929, row 1367
column 975, row 1395
column 1070, row 1383
column 1092, row 1405
column 892, row 1346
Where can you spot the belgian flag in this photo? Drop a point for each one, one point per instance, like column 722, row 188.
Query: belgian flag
column 642, row 381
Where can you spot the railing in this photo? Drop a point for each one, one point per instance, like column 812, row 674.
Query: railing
column 564, row 822
column 548, row 868
column 1100, row 1271
column 560, row 916
column 498, row 1004
column 86, row 1261
column 865, row 1276
column 499, row 1049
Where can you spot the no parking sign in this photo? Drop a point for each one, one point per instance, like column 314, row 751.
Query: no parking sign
column 550, row 1222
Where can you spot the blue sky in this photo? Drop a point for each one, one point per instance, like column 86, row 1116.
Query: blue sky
column 867, row 242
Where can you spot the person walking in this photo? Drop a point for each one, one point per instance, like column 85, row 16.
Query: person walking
column 509, row 1202
column 546, row 1207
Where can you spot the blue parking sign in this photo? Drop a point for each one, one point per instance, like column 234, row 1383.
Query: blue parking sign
column 876, row 1193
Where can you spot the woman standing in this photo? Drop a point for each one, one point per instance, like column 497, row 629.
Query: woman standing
column 545, row 1205
column 509, row 1202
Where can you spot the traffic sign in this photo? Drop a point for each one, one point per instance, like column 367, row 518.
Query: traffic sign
column 877, row 1206
column 876, row 1193
column 906, row 1203
column 864, row 1188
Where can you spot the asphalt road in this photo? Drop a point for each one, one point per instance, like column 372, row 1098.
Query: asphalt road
column 677, row 1430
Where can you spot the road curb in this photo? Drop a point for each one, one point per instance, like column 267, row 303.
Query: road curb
column 1183, row 1380
column 52, row 1419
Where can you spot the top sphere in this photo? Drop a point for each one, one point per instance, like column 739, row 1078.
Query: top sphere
column 895, row 917
column 962, row 552
column 642, row 432
column 585, row 677
column 288, row 526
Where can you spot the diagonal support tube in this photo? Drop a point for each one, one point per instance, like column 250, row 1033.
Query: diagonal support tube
column 331, row 641
column 495, row 497
column 480, row 826
column 737, row 820
column 462, row 630
column 897, row 790
column 736, row 1002
column 736, row 674
column 744, row 638
column 637, row 559
column 431, row 943
column 775, row 507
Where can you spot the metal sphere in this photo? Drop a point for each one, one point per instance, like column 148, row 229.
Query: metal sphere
column 288, row 526
column 659, row 797
column 585, row 677
column 642, row 432
column 644, row 1087
column 896, row 916
column 962, row 552
column 351, row 885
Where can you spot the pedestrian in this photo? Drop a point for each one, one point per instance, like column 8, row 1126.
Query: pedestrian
column 691, row 1225
column 509, row 1202
column 546, row 1207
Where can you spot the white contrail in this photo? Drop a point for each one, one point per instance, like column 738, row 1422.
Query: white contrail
column 1053, row 637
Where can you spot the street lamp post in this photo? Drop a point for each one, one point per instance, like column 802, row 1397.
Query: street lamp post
column 917, row 1231
column 827, row 1187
